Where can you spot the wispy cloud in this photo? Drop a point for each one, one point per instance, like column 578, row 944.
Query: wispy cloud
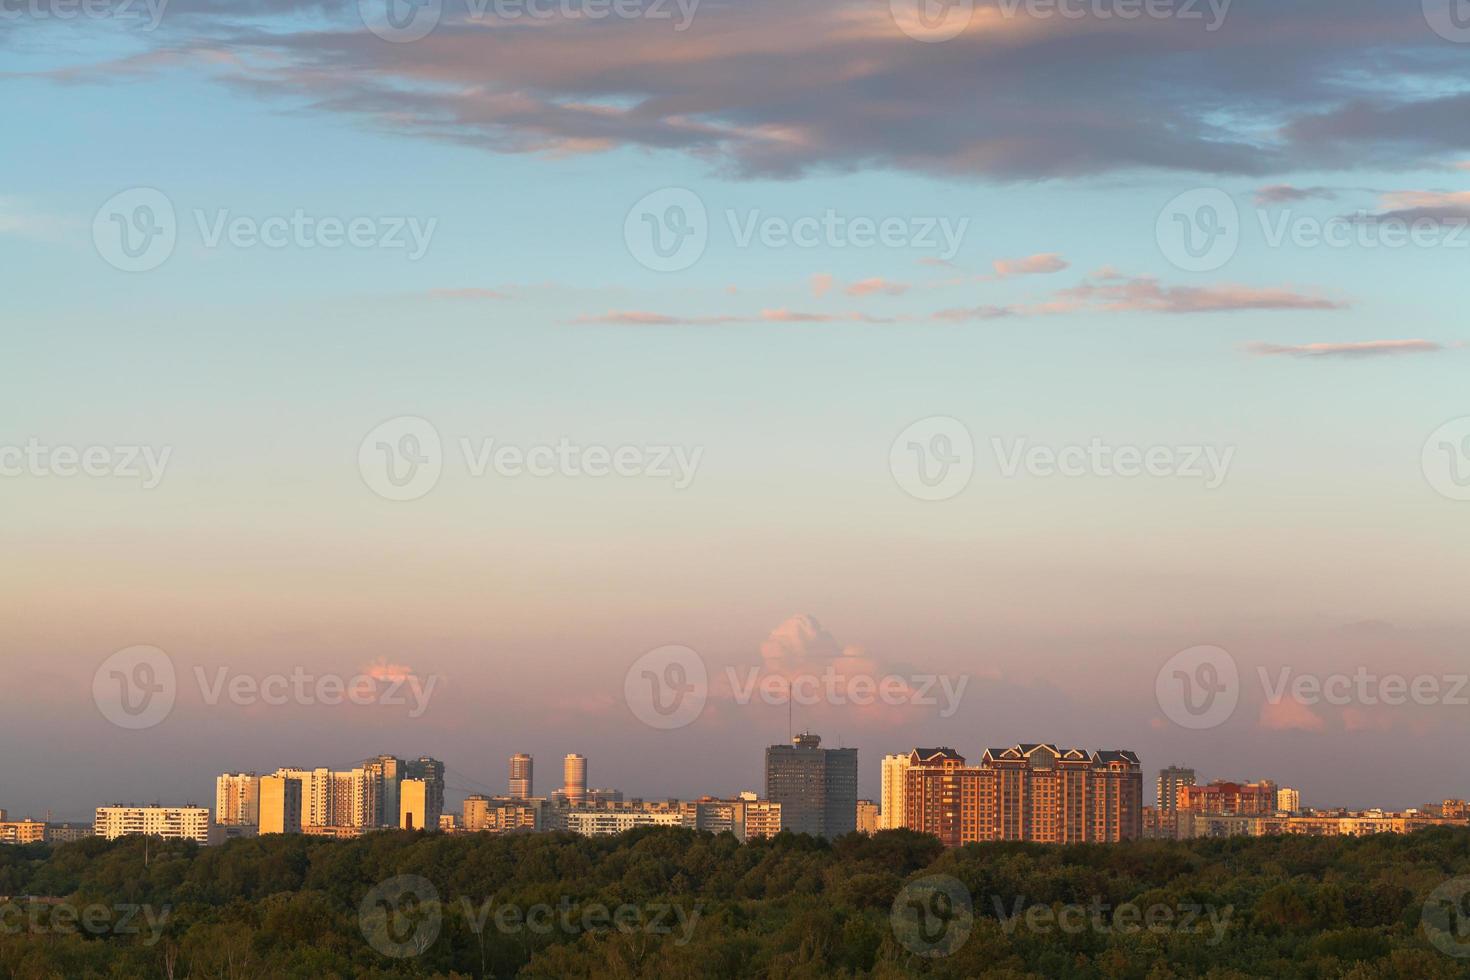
column 468, row 293
column 1032, row 265
column 1353, row 349
column 1289, row 194
column 1144, row 294
column 877, row 285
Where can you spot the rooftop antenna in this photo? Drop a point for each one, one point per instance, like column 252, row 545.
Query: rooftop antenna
column 790, row 731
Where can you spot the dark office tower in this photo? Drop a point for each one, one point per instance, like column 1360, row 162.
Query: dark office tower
column 431, row 771
column 520, row 776
column 816, row 787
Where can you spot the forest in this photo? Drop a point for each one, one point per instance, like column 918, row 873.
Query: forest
column 681, row 904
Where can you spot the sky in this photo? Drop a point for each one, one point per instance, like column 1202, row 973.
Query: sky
column 562, row 372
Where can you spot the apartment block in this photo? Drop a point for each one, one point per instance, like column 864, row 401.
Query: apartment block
column 1028, row 791
column 22, row 831
column 280, row 805
column 171, row 822
column 237, row 799
column 1223, row 797
column 595, row 823
column 890, row 799
column 501, row 815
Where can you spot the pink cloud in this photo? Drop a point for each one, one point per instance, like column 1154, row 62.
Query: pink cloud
column 877, row 284
column 1032, row 265
column 468, row 293
column 962, row 314
column 1122, row 294
column 1363, row 348
column 822, row 284
column 783, row 315
column 1288, row 715
column 382, row 670
column 643, row 318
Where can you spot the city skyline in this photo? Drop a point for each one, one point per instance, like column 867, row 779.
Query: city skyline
column 1025, row 357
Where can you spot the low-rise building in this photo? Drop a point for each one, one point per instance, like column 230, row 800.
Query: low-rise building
column 170, row 822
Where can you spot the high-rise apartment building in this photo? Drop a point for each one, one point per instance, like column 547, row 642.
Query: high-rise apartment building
column 521, row 777
column 1028, row 791
column 280, row 804
column 237, row 799
column 890, row 800
column 1169, row 783
column 431, row 773
column 1223, row 797
column 867, row 817
column 1288, row 800
column 816, row 787
column 574, row 778
column 170, row 822
column 387, row 771
column 418, row 808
